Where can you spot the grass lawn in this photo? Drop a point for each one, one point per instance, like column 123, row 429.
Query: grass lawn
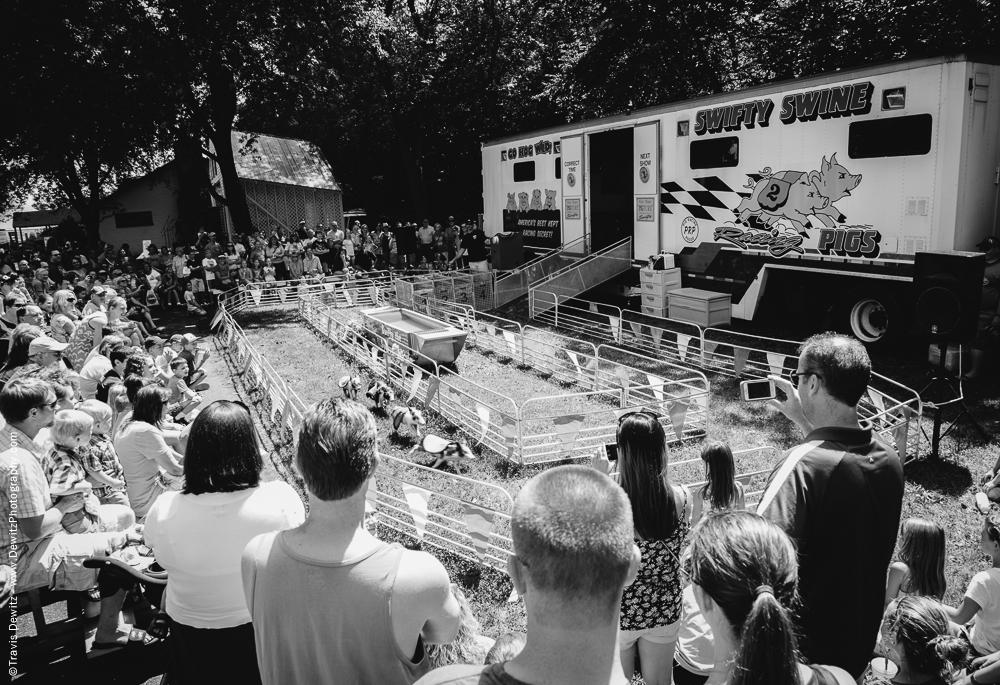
column 941, row 490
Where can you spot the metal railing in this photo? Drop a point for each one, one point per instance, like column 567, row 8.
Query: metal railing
column 583, row 275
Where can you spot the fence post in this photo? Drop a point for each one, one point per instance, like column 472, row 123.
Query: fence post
column 556, row 298
column 520, row 436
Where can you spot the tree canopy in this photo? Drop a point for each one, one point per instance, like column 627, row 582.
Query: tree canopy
column 399, row 94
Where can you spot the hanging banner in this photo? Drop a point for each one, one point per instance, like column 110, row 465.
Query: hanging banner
column 657, row 334
column 636, row 329
column 657, row 384
column 433, row 383
column 417, row 499
column 616, row 329
column 415, row 383
column 576, row 362
column 511, row 342
column 901, row 432
column 776, row 363
column 708, row 348
column 593, row 308
column 329, row 287
column 255, row 294
column 480, row 524
column 682, row 345
column 347, row 296
column 218, row 317
column 740, row 356
column 877, row 399
column 678, row 412
column 484, row 420
column 491, row 329
column 282, row 295
column 374, row 353
column 373, row 293
column 508, row 429
column 277, row 401
column 568, row 428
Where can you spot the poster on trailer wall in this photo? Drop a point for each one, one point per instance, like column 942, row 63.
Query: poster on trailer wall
column 532, row 206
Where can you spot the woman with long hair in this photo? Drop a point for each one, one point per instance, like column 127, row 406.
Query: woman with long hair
column 651, row 606
column 276, row 253
column 143, row 449
column 921, row 642
column 20, row 340
column 744, row 571
column 198, row 536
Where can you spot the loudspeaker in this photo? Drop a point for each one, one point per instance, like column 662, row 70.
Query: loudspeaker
column 947, row 287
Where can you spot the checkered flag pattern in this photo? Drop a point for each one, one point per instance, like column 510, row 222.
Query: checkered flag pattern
column 711, row 199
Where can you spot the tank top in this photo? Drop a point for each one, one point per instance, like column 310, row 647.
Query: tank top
column 325, row 622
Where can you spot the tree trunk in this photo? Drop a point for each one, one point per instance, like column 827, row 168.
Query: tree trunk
column 236, row 199
column 192, row 176
column 222, row 104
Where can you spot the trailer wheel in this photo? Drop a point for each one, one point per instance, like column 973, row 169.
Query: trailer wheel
column 872, row 316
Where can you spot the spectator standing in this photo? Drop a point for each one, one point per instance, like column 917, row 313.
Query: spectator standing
column 345, row 633
column 473, row 248
column 988, row 339
column 721, row 489
column 573, row 555
column 425, row 242
column 839, row 497
column 743, row 569
column 198, row 536
column 651, row 606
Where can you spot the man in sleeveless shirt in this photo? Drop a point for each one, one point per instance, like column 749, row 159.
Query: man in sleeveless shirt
column 573, row 557
column 331, row 603
column 839, row 497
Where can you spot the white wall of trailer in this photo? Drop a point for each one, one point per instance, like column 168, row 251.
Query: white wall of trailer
column 944, row 199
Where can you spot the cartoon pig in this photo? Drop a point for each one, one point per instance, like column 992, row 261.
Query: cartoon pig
column 511, row 204
column 550, row 199
column 790, row 195
column 522, row 202
column 834, row 182
column 536, row 199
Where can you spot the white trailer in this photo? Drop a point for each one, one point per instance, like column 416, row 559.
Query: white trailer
column 822, row 188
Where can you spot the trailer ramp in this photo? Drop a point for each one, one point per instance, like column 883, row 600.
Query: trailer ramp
column 516, row 283
column 581, row 276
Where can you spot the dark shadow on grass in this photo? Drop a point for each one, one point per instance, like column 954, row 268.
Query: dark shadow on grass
column 940, row 475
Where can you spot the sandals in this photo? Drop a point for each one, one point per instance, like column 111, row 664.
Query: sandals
column 159, row 627
column 136, row 638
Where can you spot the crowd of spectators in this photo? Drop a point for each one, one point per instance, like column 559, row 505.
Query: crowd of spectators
column 616, row 565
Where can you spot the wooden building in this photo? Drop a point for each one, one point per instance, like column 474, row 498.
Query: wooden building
column 285, row 180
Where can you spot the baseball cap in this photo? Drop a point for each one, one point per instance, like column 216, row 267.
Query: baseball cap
column 989, row 243
column 189, row 338
column 97, row 290
column 45, row 344
column 176, row 338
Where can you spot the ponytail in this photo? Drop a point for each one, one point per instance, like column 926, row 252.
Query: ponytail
column 748, row 566
column 952, row 653
column 923, row 630
column 767, row 653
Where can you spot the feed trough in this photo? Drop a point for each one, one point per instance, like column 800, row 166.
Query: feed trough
column 421, row 333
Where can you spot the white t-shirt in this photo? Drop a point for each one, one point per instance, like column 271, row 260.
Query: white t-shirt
column 984, row 590
column 91, row 374
column 199, row 540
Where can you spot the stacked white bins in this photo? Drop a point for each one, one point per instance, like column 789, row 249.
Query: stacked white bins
column 655, row 287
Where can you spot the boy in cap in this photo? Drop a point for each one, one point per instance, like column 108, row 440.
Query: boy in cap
column 196, row 358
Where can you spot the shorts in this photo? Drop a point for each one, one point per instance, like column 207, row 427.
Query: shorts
column 659, row 635
column 985, row 340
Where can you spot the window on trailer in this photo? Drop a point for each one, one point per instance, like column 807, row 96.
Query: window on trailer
column 524, row 171
column 890, row 137
column 715, row 152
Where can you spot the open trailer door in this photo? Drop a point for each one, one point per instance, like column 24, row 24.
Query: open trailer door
column 646, row 186
column 573, row 222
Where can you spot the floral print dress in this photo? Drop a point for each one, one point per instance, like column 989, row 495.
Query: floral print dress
column 654, row 599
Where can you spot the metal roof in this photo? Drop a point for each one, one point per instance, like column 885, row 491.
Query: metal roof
column 282, row 160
